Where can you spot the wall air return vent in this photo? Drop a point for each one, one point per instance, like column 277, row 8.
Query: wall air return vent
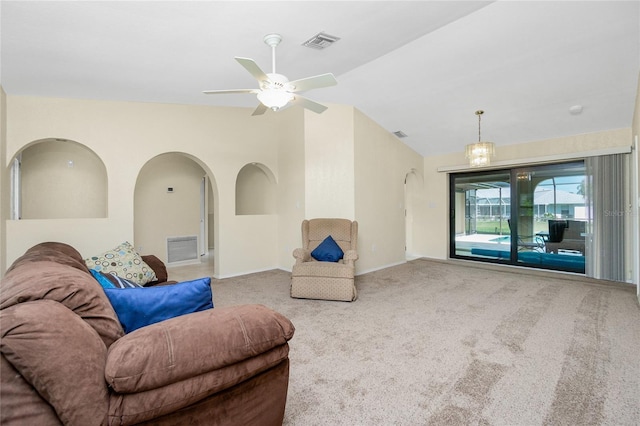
column 320, row 41
column 182, row 249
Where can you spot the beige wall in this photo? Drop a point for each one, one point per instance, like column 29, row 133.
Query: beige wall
column 336, row 164
column 311, row 156
column 291, row 198
column 329, row 159
column 126, row 136
column 436, row 182
column 382, row 163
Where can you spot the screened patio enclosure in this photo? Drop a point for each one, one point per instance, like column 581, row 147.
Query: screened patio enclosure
column 508, row 216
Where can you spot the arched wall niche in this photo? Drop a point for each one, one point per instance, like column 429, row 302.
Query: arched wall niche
column 255, row 190
column 175, row 196
column 56, row 178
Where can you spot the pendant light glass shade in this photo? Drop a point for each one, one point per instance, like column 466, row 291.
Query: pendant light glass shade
column 480, row 153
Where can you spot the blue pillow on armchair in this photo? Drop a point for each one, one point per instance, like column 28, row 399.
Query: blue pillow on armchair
column 139, row 307
column 328, row 251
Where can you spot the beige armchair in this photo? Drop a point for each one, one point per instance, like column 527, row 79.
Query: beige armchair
column 312, row 279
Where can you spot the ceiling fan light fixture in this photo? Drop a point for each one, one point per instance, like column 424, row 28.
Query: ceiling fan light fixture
column 274, row 98
column 480, row 153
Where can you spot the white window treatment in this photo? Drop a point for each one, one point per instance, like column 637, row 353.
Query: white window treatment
column 607, row 208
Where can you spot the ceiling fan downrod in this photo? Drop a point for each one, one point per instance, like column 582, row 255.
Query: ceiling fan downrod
column 273, row 40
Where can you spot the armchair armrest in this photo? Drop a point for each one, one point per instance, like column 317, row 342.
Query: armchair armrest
column 193, row 344
column 350, row 256
column 301, row 255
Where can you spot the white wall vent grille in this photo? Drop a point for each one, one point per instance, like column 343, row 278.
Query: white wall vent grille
column 181, row 249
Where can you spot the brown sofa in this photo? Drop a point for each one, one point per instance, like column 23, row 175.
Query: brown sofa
column 66, row 360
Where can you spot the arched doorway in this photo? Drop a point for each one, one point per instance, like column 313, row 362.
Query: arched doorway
column 174, row 209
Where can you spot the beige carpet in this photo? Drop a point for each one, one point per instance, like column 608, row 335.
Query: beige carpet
column 437, row 343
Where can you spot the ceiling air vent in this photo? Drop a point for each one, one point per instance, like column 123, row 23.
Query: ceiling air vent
column 400, row 134
column 320, row 41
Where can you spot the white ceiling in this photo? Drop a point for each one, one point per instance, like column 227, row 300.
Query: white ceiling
column 422, row 67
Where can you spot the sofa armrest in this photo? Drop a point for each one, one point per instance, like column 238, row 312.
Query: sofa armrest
column 61, row 356
column 158, row 267
column 193, row 344
column 301, row 255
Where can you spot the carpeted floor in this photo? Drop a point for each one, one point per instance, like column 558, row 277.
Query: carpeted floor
column 439, row 343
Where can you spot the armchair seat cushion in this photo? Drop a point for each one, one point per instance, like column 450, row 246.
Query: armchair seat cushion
column 323, row 269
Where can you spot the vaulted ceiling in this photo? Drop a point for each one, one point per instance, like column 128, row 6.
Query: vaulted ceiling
column 420, row 67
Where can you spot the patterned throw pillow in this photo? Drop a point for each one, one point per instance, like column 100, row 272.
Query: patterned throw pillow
column 124, row 262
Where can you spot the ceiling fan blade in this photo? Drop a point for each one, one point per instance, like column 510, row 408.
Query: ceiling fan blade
column 229, row 91
column 261, row 109
column 315, row 82
column 308, row 104
column 253, row 68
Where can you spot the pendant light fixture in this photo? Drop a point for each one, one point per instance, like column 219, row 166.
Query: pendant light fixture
column 480, row 153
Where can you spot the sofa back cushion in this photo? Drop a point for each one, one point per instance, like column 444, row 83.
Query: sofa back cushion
column 52, row 252
column 77, row 290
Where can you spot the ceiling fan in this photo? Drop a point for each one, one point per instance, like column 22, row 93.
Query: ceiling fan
column 276, row 91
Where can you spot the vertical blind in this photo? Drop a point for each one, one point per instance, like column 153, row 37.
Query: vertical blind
column 606, row 199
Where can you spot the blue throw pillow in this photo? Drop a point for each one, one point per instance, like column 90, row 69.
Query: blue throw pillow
column 139, row 307
column 328, row 251
column 112, row 280
column 104, row 281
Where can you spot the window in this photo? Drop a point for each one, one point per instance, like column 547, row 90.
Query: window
column 529, row 216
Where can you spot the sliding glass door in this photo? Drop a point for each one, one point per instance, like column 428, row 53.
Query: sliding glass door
column 529, row 216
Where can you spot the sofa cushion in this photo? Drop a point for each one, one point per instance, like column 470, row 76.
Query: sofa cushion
column 139, row 307
column 251, row 407
column 328, row 251
column 61, row 356
column 192, row 345
column 73, row 288
column 123, row 261
column 20, row 403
